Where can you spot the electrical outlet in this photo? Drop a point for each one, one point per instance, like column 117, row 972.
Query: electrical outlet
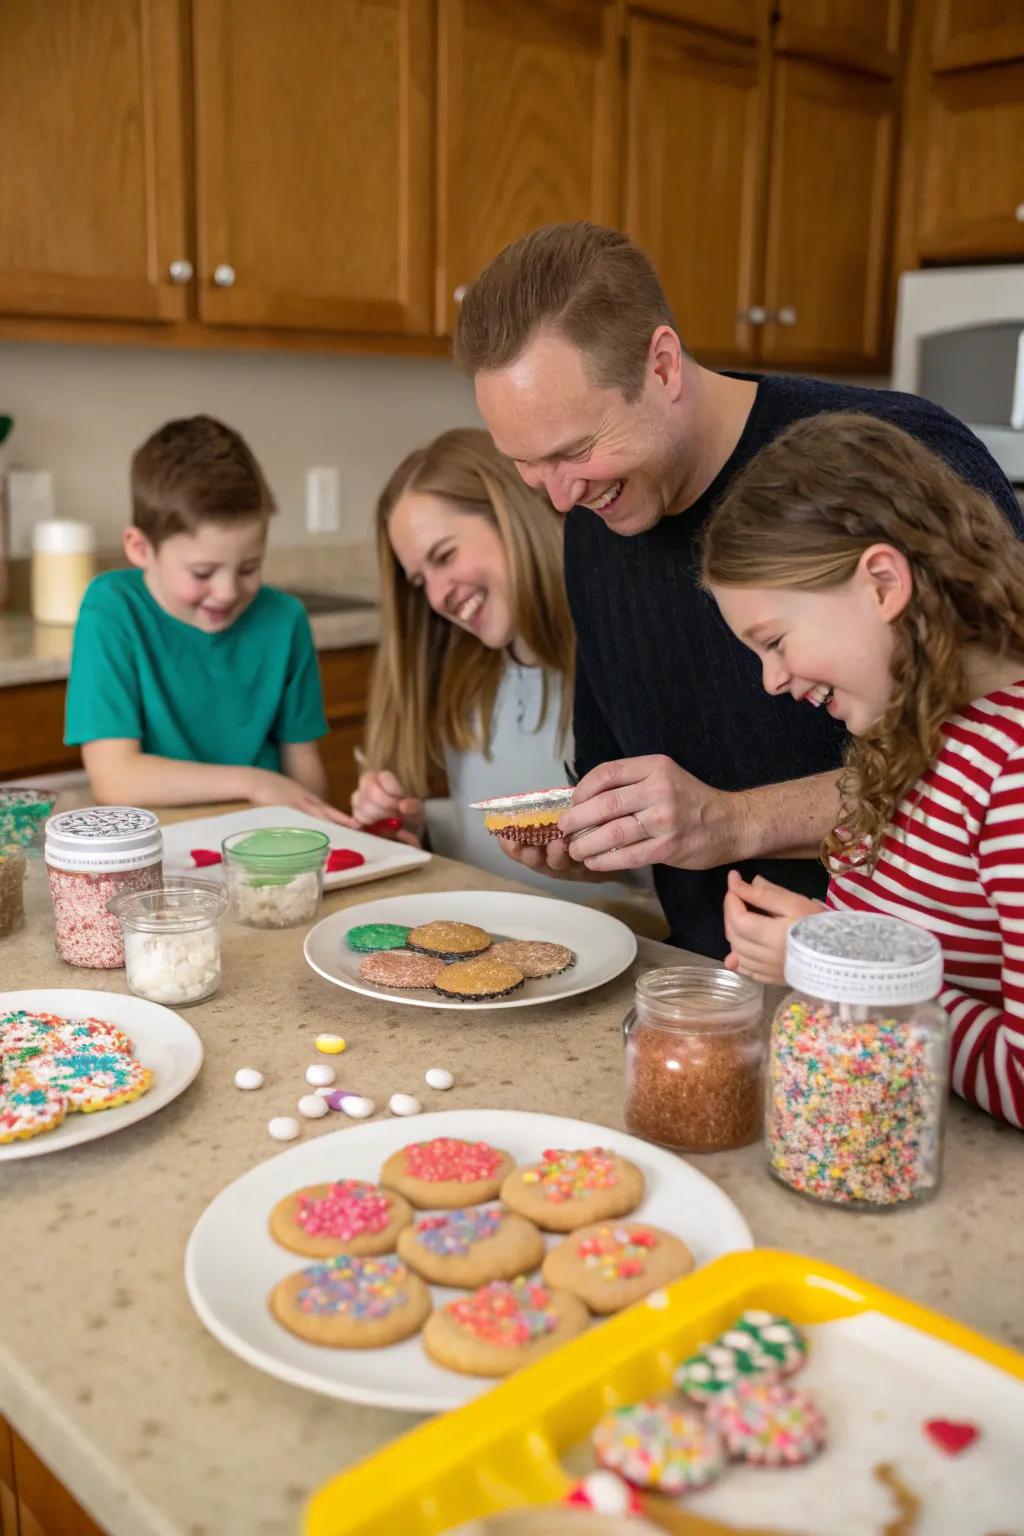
column 323, row 500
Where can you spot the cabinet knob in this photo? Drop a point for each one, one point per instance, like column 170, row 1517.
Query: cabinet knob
column 224, row 275
column 180, row 271
column 1019, row 213
column 755, row 315
column 785, row 316
column 460, row 292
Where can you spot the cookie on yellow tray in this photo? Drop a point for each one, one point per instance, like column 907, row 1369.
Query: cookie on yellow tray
column 469, row 1247
column 346, row 1216
column 612, row 1264
column 347, row 1302
column 447, row 1172
column 502, row 1326
column 570, row 1188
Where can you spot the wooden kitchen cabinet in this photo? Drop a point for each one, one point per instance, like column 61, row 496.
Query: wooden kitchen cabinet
column 92, row 170
column 8, row 1492
column 850, row 32
column 529, row 93
column 695, row 178
column 32, row 1501
column 830, row 200
column 736, row 18
column 345, row 676
column 968, row 32
column 313, row 164
column 32, row 731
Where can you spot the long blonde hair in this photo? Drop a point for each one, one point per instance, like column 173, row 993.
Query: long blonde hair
column 802, row 513
column 434, row 685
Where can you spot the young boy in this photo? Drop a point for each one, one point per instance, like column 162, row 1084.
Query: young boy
column 190, row 680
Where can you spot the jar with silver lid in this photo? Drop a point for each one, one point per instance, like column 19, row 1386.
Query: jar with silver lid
column 858, row 1062
column 92, row 856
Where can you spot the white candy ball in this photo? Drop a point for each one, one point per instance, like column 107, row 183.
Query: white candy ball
column 248, row 1078
column 439, row 1077
column 313, row 1106
column 283, row 1128
column 404, row 1104
column 356, row 1107
column 607, row 1493
column 320, row 1075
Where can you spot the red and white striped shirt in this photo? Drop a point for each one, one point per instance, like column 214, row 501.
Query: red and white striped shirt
column 952, row 861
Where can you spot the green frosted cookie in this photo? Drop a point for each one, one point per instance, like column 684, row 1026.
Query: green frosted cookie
column 372, row 936
column 758, row 1342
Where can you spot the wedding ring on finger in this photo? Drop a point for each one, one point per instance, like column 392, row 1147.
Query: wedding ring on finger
column 644, row 834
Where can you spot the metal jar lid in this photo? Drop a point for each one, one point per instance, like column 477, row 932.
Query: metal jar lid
column 863, row 957
column 103, row 838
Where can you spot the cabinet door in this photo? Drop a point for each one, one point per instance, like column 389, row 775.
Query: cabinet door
column 970, row 198
column 528, row 112
column 313, row 148
column 92, row 164
column 739, row 18
column 45, row 1507
column 8, row 1495
column 829, row 218
column 842, row 32
column 968, row 32
column 695, row 177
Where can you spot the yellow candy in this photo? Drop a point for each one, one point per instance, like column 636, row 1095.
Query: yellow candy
column 331, row 1045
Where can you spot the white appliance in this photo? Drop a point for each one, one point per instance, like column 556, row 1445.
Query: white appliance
column 960, row 342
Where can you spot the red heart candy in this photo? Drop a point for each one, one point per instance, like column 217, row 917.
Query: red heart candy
column 386, row 827
column 949, row 1437
column 201, row 857
column 343, row 858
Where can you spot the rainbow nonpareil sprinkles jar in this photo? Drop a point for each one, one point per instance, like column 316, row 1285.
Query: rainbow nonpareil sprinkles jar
column 858, row 1062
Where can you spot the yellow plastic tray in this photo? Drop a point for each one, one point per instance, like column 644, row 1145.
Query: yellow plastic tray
column 504, row 1449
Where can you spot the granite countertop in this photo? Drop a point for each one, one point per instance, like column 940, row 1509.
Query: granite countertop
column 153, row 1425
column 41, row 653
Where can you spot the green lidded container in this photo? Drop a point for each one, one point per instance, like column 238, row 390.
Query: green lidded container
column 275, row 875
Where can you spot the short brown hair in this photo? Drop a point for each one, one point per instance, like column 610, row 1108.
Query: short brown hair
column 589, row 284
column 192, row 471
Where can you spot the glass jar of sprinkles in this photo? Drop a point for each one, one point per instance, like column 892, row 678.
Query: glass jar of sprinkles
column 858, row 1062
column 92, row 856
column 695, row 1059
column 12, row 889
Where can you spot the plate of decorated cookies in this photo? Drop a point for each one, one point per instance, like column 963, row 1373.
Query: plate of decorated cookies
column 470, row 949
column 412, row 1266
column 77, row 1064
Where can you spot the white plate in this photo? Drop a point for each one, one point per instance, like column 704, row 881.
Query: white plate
column 163, row 1041
column 603, row 946
column 382, row 856
column 232, row 1263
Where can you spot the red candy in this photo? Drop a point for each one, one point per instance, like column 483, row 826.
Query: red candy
column 201, row 857
column 343, row 858
column 446, row 1159
column 949, row 1436
column 386, row 827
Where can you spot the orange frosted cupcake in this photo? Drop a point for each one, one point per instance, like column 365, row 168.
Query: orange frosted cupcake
column 527, row 818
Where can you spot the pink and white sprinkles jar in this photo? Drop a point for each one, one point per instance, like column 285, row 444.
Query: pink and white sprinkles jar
column 91, row 856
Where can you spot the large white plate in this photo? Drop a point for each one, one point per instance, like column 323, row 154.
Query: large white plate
column 603, row 946
column 163, row 1041
column 382, row 856
column 232, row 1263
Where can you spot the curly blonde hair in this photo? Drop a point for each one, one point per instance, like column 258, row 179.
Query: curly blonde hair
column 803, row 512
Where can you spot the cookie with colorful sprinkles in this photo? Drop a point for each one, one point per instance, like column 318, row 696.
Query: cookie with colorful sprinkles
column 447, row 1172
column 24, row 1035
column 655, row 1445
column 767, row 1422
column 612, row 1264
column 347, row 1302
column 92, row 1077
column 502, row 1326
column 757, row 1344
column 28, row 1107
column 569, row 1189
column 468, row 1247
column 346, row 1216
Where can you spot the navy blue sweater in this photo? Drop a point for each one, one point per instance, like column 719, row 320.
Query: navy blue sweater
column 659, row 671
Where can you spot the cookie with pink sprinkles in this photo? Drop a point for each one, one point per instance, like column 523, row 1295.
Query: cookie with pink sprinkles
column 447, row 1172
column 347, row 1216
column 28, row 1107
column 655, row 1445
column 91, row 1077
column 765, row 1421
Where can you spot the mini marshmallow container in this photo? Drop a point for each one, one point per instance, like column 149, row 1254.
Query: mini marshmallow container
column 172, row 940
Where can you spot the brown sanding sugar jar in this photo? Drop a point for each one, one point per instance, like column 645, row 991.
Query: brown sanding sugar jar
column 12, row 889
column 92, row 856
column 695, row 1051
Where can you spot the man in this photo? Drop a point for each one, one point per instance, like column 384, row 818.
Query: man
column 583, row 380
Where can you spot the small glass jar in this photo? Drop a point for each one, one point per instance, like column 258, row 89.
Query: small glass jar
column 859, row 1062
column 92, row 856
column 12, row 889
column 275, row 875
column 172, row 940
column 695, row 1059
column 23, row 816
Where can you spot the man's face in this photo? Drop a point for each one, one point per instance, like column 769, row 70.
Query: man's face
column 581, row 441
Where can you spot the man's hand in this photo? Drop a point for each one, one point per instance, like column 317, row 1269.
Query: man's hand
column 758, row 916
column 552, row 859
column 648, row 810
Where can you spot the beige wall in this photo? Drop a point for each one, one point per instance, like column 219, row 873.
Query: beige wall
column 81, row 411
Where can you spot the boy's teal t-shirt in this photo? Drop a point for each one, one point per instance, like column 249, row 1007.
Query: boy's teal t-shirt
column 233, row 697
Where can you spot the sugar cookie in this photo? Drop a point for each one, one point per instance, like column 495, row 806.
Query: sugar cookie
column 91, row 1077
column 758, row 1342
column 502, row 1326
column 767, row 1422
column 349, row 1216
column 478, row 981
column 534, row 957
column 654, row 1445
column 447, row 1172
column 611, row 1265
column 470, row 1247
column 448, row 940
column 573, row 1188
column 400, row 968
column 28, row 1107
column 352, row 1303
